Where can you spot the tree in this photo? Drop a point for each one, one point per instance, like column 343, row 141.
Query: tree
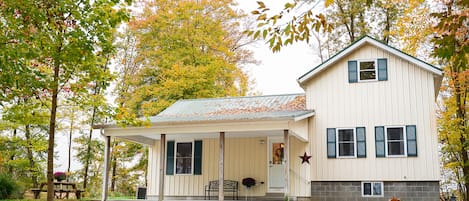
column 46, row 45
column 24, row 124
column 452, row 49
column 123, row 155
column 350, row 19
column 92, row 160
column 186, row 49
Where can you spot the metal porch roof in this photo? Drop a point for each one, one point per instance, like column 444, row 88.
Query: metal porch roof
column 286, row 106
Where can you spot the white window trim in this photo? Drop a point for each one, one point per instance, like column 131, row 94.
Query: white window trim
column 354, row 143
column 371, row 182
column 386, row 141
column 175, row 158
column 376, row 69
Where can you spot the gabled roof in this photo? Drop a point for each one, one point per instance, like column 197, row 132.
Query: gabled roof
column 273, row 107
column 372, row 41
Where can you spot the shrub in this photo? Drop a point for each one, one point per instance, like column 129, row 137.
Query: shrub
column 8, row 187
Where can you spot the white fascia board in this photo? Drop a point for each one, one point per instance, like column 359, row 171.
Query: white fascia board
column 304, row 116
column 194, row 128
column 409, row 58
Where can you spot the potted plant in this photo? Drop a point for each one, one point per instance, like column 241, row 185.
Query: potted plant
column 60, row 176
column 248, row 182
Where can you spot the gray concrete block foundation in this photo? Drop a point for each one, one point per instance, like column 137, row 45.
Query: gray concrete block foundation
column 351, row 191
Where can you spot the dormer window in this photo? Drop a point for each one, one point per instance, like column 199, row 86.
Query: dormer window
column 367, row 70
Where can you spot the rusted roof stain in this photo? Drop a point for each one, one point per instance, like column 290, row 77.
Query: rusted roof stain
column 250, row 107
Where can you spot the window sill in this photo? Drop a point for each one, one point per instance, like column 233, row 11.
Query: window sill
column 375, row 80
column 345, row 157
column 373, row 196
column 396, row 156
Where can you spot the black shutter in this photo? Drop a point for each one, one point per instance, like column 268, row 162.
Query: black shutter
column 411, row 132
column 361, row 142
column 379, row 141
column 331, row 143
column 352, row 71
column 198, row 157
column 170, row 158
column 382, row 69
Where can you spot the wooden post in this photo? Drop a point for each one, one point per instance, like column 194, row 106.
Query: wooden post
column 162, row 166
column 286, row 157
column 221, row 194
column 107, row 147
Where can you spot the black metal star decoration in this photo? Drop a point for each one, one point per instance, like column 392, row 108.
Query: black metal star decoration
column 305, row 158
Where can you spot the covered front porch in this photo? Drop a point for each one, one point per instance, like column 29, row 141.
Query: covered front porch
column 186, row 152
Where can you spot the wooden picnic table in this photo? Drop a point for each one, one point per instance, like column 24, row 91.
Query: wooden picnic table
column 61, row 190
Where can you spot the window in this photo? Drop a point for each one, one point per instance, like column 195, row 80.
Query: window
column 395, row 141
column 184, row 158
column 367, row 70
column 346, row 142
column 372, row 189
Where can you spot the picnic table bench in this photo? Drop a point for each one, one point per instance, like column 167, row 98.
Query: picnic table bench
column 228, row 186
column 61, row 190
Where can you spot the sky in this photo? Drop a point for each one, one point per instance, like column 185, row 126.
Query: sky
column 276, row 73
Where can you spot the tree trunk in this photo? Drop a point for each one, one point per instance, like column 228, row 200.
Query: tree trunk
column 387, row 28
column 29, row 152
column 50, row 149
column 12, row 157
column 72, row 119
column 461, row 114
column 88, row 149
column 113, row 166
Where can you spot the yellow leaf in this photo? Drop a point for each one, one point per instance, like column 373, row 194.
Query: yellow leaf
column 262, row 17
column 328, row 2
column 261, row 4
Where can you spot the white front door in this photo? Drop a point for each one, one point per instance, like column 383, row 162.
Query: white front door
column 276, row 165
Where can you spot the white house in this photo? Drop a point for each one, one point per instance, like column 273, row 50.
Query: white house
column 367, row 119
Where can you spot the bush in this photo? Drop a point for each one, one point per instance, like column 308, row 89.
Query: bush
column 8, row 187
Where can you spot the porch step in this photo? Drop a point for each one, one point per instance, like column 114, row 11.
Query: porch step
column 273, row 196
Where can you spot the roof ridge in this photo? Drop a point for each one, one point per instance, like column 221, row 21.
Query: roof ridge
column 239, row 97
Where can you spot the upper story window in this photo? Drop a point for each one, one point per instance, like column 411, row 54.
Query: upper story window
column 392, row 141
column 395, row 141
column 346, row 142
column 367, row 70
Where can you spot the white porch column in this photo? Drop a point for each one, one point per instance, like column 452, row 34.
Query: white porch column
column 286, row 156
column 162, row 166
column 107, row 147
column 221, row 193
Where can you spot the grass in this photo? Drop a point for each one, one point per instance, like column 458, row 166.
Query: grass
column 29, row 197
column 83, row 199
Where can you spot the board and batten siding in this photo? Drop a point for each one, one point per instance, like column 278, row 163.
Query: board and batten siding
column 406, row 98
column 300, row 174
column 244, row 157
